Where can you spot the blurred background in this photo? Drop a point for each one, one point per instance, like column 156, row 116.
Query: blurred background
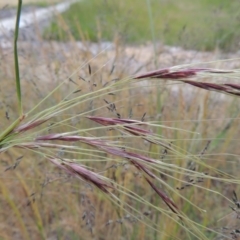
column 201, row 25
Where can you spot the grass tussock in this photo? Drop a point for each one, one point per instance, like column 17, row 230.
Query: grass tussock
column 104, row 153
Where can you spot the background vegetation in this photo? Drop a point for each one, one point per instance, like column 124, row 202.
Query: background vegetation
column 201, row 24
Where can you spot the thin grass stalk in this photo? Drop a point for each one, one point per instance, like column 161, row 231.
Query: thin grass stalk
column 34, row 207
column 17, row 75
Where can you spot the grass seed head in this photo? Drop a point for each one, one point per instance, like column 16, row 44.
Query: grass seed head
column 76, row 170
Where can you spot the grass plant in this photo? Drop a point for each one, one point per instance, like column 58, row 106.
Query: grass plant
column 99, row 155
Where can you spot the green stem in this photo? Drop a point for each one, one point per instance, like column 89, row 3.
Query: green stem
column 18, row 85
column 10, row 128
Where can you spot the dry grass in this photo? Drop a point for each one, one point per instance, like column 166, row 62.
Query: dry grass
column 198, row 133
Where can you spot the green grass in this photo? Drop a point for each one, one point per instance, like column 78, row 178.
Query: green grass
column 201, row 25
column 37, row 3
column 44, row 3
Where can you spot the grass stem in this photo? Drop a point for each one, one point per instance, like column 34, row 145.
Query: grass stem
column 17, row 75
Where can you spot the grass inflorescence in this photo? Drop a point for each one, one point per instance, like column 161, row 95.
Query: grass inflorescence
column 99, row 154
